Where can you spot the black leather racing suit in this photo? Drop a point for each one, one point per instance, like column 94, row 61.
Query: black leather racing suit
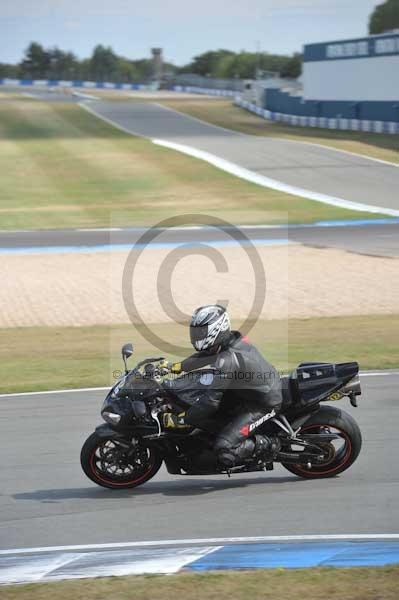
column 237, row 372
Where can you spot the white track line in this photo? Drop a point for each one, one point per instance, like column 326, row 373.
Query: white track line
column 101, row 389
column 274, row 184
column 317, row 224
column 378, row 373
column 72, row 565
column 252, row 176
column 365, row 156
column 44, row 392
column 218, row 541
column 85, row 96
column 28, row 95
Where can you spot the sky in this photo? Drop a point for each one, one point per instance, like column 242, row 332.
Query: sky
column 182, row 28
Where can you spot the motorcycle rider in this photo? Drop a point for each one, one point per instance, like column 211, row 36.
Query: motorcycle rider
column 224, row 365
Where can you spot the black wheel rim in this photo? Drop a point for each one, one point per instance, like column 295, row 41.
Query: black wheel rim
column 115, row 465
column 338, row 452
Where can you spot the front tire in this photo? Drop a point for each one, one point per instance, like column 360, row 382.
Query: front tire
column 336, row 421
column 109, row 464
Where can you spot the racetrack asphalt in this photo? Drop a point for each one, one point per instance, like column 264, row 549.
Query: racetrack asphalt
column 47, row 501
column 374, row 239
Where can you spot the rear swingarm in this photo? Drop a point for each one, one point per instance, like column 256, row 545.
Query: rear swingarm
column 302, row 458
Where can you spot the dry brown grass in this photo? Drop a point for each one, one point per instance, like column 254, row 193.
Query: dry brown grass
column 74, row 357
column 277, row 584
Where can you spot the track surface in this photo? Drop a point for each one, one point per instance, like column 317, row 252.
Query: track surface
column 299, row 164
column 46, row 499
column 369, row 239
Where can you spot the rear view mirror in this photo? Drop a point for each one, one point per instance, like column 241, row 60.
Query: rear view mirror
column 127, row 351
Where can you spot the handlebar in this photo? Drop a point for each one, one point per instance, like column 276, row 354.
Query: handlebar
column 149, row 360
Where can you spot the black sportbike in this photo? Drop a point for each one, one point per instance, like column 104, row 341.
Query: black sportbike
column 313, row 440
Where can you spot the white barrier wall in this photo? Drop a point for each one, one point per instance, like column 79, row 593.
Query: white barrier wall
column 375, row 78
column 365, row 69
column 390, row 127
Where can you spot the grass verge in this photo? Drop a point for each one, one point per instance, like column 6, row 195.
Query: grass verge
column 276, row 584
column 63, row 167
column 40, row 358
column 225, row 114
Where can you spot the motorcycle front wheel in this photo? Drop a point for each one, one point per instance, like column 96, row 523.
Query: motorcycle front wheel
column 111, row 465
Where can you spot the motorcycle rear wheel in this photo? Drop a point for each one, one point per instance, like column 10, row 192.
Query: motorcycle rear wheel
column 342, row 453
column 109, row 465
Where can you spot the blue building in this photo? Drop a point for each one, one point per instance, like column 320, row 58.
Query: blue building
column 348, row 79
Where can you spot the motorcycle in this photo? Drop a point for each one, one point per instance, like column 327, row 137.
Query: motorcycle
column 311, row 440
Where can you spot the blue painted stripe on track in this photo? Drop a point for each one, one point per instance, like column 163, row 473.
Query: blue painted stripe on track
column 349, row 223
column 300, row 555
column 155, row 245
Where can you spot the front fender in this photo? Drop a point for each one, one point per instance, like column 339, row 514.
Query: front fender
column 105, row 431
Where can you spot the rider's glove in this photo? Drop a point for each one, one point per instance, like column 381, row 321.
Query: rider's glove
column 175, row 368
column 173, row 421
column 164, row 368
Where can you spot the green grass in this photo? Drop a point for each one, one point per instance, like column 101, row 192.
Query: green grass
column 274, row 584
column 225, row 114
column 62, row 167
column 40, row 358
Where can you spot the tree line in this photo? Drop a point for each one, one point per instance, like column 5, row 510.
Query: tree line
column 243, row 65
column 54, row 63
column 105, row 65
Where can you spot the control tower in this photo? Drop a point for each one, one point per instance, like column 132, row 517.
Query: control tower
column 158, row 63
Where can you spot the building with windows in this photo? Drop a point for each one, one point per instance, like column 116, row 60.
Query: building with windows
column 348, row 79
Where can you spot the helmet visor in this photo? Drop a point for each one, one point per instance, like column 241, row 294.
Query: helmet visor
column 198, row 334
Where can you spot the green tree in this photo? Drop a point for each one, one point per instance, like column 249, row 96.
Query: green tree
column 384, row 17
column 206, row 63
column 63, row 65
column 36, row 62
column 144, row 67
column 9, row 71
column 293, row 67
column 126, row 72
column 103, row 64
column 243, row 65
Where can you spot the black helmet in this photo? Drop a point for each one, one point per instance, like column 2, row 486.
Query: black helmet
column 209, row 327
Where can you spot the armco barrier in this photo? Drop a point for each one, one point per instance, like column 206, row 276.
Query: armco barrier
column 390, row 127
column 44, row 83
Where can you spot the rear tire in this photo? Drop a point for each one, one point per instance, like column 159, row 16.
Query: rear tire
column 339, row 422
column 108, row 465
